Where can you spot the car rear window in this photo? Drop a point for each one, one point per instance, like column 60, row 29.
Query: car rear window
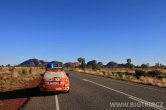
column 57, row 74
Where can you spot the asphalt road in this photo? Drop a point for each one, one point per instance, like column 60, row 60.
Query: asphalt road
column 98, row 93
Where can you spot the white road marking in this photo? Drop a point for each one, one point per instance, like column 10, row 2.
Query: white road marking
column 57, row 102
column 131, row 84
column 138, row 85
column 129, row 96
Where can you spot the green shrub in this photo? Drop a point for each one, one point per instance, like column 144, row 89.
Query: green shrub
column 154, row 73
column 139, row 73
column 24, row 71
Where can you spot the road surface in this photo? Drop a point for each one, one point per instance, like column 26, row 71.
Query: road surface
column 98, row 93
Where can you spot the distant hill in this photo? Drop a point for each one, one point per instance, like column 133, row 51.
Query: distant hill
column 114, row 64
column 36, row 62
column 33, row 62
column 72, row 64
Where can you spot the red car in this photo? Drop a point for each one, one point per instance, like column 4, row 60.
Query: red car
column 55, row 80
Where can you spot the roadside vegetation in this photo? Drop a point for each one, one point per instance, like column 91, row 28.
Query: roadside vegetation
column 144, row 74
column 138, row 76
column 12, row 78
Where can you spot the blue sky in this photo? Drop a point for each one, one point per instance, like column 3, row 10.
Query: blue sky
column 106, row 30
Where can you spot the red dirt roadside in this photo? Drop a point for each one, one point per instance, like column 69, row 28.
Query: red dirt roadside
column 14, row 99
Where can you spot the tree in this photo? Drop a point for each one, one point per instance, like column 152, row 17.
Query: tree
column 157, row 65
column 82, row 62
column 129, row 64
column 129, row 61
column 145, row 65
column 8, row 65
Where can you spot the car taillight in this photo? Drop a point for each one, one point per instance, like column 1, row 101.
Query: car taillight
column 66, row 85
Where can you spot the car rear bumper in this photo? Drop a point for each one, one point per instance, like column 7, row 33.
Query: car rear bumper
column 54, row 89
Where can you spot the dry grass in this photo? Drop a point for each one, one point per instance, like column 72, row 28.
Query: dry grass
column 15, row 77
column 126, row 74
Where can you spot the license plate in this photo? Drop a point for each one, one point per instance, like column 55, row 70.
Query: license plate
column 54, row 82
column 58, row 89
